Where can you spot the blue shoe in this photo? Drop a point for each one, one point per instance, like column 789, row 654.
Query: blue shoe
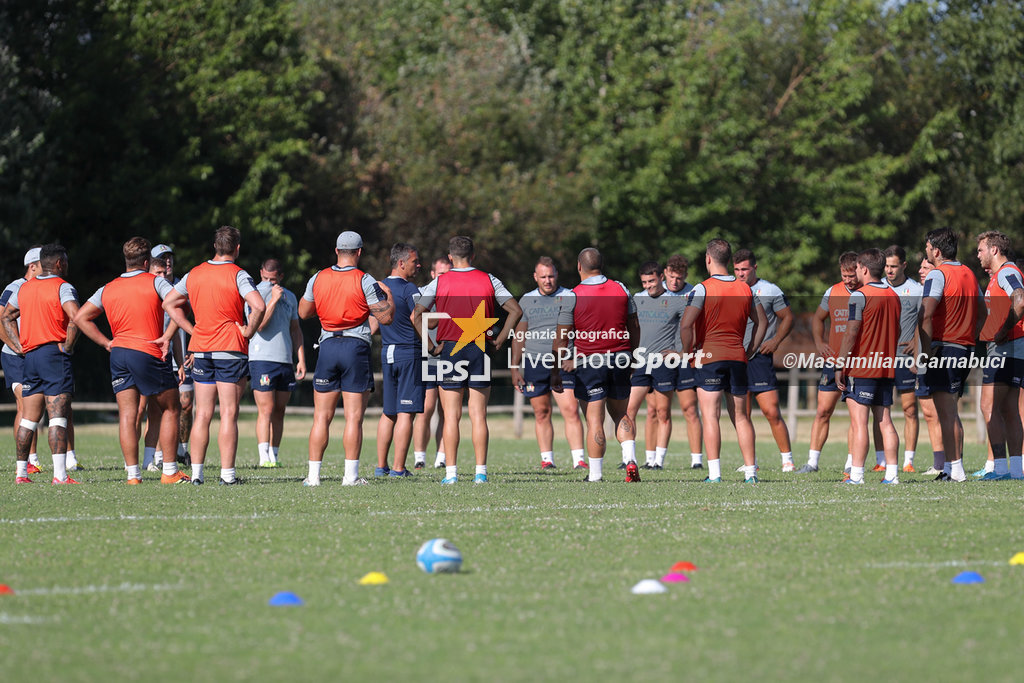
column 992, row 476
column 399, row 473
column 980, row 473
column 855, row 483
column 716, row 480
column 480, row 479
column 751, row 480
column 894, row 480
column 382, row 471
column 450, row 480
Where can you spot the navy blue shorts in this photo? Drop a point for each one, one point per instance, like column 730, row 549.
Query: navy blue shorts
column 906, row 379
column 1009, row 372
column 761, row 374
column 403, row 387
column 14, row 369
column 686, row 377
column 343, row 364
column 132, row 368
column 827, row 381
column 47, row 372
column 947, row 379
column 213, row 370
column 603, row 380
column 660, row 379
column 869, row 391
column 267, row 375
column 538, row 379
column 730, row 375
column 467, row 368
column 921, row 387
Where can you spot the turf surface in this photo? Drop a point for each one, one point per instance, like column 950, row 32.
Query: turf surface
column 798, row 576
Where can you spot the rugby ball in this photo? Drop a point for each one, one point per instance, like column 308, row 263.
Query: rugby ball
column 439, row 556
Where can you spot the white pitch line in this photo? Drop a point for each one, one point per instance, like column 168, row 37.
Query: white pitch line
column 15, row 619
column 935, row 565
column 89, row 590
column 128, row 518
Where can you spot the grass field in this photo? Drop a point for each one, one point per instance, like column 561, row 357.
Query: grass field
column 799, row 578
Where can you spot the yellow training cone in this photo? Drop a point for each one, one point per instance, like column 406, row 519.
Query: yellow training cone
column 374, row 579
column 1017, row 559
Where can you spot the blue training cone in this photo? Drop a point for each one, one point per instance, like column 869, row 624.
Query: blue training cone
column 285, row 599
column 968, row 577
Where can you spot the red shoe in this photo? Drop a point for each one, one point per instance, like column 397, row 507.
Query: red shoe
column 878, row 468
column 33, row 469
column 582, row 465
column 632, row 472
column 909, row 468
column 22, row 480
column 178, row 477
column 133, row 482
column 548, row 465
column 846, row 477
column 69, row 480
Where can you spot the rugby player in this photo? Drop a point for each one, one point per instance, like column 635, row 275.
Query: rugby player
column 133, row 304
column 421, row 423
column 761, row 368
column 271, row 373
column 601, row 321
column 676, row 269
column 531, row 373
column 343, row 297
column 470, row 298
column 714, row 324
column 46, row 306
column 218, row 291
column 925, row 400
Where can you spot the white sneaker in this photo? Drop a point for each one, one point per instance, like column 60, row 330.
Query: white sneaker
column 931, row 472
column 153, row 468
column 307, row 482
column 788, row 467
column 355, row 482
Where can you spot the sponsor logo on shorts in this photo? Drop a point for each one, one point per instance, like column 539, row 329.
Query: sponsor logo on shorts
column 321, row 381
column 118, row 382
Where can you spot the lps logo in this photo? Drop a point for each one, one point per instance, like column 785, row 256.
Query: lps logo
column 446, row 368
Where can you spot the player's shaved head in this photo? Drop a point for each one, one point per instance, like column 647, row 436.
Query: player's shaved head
column 460, row 246
column 719, row 251
column 874, row 261
column 547, row 262
column 50, row 255
column 136, row 253
column 590, row 260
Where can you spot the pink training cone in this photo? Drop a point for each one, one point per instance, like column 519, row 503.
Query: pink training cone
column 684, row 567
column 675, row 577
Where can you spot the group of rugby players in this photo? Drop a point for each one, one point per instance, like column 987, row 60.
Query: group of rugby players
column 595, row 348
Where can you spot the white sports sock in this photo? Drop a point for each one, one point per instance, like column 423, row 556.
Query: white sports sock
column 649, row 457
column 419, row 456
column 659, row 455
column 60, row 466
column 451, row 471
column 314, row 472
column 696, row 458
column 22, row 468
column 749, row 471
column 957, row 471
column 227, row 474
column 879, row 457
column 351, row 470
column 849, row 461
column 595, row 469
column 813, row 457
column 577, row 455
column 170, row 467
column 1016, row 464
column 1001, row 466
column 72, row 461
column 547, row 456
column 133, row 472
column 787, row 457
column 890, row 472
column 856, row 473
column 264, row 451
column 440, row 458
column 148, row 454
column 714, row 469
column 197, row 472
column 990, row 465
column 628, row 451
column 34, row 459
column 274, row 450
column 158, row 458
column 908, row 458
column 481, row 469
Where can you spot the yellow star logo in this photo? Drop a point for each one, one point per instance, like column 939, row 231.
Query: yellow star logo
column 473, row 329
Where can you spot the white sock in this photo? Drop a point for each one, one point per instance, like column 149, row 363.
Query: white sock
column 749, row 471
column 849, row 461
column 628, row 451
column 696, row 458
column 197, row 472
column 908, row 458
column 990, row 465
column 133, row 472
column 547, row 456
column 787, row 457
column 170, row 467
column 148, row 453
column 879, row 457
column 1001, row 466
column 351, row 470
column 1016, row 463
column 957, row 472
column 72, row 461
column 714, row 469
column 451, row 471
column 813, row 457
column 34, row 459
column 595, row 469
column 264, row 451
column 481, row 469
column 856, row 473
column 227, row 474
column 649, row 457
column 577, row 455
column 274, row 450
column 314, row 472
column 890, row 472
column 947, row 467
column 439, row 459
column 22, row 468
column 419, row 456
column 659, row 456
column 184, row 449
column 60, row 466
column 158, row 458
